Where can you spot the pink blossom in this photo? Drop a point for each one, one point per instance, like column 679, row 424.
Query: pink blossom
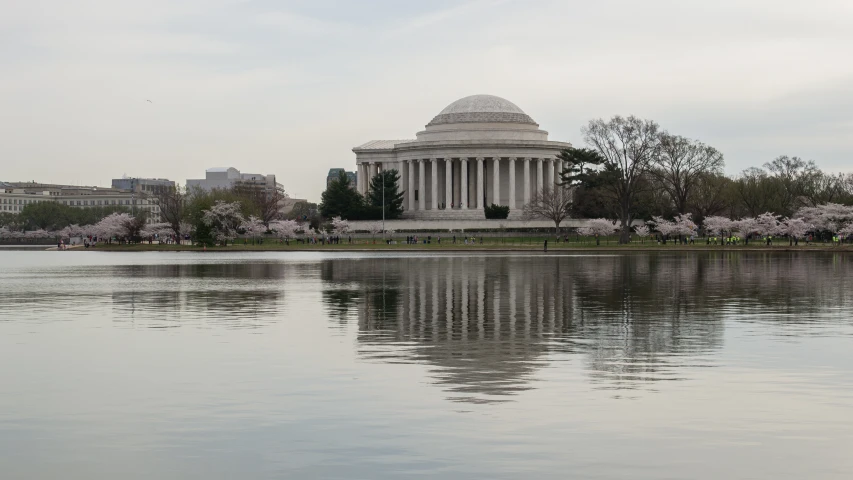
column 598, row 227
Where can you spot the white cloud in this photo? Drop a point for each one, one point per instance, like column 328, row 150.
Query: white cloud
column 296, row 24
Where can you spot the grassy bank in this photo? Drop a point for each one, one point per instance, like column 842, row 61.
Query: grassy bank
column 485, row 246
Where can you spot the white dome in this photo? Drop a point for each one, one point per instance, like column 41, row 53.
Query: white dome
column 481, row 109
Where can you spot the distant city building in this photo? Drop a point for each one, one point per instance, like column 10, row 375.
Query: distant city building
column 14, row 196
column 143, row 185
column 335, row 172
column 225, row 178
column 288, row 203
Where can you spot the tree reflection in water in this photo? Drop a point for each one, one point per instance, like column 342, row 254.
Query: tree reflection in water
column 233, row 295
column 485, row 325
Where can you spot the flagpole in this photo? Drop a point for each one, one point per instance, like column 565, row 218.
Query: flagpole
column 383, row 202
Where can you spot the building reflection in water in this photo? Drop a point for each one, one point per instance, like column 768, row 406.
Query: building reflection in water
column 486, row 324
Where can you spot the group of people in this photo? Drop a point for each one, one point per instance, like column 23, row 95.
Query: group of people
column 163, row 239
column 730, row 240
column 415, row 240
column 330, row 240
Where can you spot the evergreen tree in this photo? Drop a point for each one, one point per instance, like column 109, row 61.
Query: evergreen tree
column 341, row 200
column 582, row 166
column 387, row 179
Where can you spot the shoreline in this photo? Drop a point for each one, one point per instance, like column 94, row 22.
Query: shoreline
column 420, row 248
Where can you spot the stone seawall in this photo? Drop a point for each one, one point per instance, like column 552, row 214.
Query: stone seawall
column 464, row 225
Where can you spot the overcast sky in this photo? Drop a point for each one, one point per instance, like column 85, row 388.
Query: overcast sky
column 291, row 87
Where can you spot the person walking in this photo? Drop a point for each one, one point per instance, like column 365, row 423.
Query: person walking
column 546, row 244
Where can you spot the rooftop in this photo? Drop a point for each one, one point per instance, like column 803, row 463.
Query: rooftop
column 481, row 109
column 381, row 144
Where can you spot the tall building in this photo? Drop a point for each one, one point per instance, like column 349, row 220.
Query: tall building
column 229, row 177
column 335, row 172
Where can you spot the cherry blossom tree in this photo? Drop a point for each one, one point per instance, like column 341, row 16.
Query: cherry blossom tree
column 374, row 228
column 767, row 224
column 747, row 226
column 642, row 231
column 684, row 225
column 71, row 231
column 160, row 230
column 186, row 228
column 87, row 230
column 598, row 227
column 340, row 226
column 118, row 225
column 847, row 231
column 284, row 229
column 664, row 227
column 224, row 218
column 37, row 234
column 718, row 226
column 794, row 228
column 253, row 226
column 8, row 233
column 830, row 217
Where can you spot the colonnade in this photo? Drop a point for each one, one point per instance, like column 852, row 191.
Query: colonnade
column 466, row 183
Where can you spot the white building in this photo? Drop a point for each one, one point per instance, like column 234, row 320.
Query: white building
column 13, row 200
column 224, row 178
column 147, row 186
column 479, row 150
column 15, row 196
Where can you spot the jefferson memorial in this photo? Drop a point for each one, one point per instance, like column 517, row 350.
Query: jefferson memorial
column 479, row 150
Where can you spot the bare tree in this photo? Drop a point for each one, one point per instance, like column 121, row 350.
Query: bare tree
column 172, row 202
column 628, row 145
column 710, row 195
column 264, row 203
column 793, row 174
column 824, row 188
column 554, row 204
column 681, row 164
column 758, row 192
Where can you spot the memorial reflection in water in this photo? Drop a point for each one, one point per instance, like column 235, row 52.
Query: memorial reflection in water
column 485, row 325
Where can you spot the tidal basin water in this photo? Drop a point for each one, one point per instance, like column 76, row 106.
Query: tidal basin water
column 316, row 365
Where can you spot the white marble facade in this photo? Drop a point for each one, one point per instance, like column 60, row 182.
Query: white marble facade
column 478, row 151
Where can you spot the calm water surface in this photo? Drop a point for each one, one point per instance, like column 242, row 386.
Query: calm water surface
column 312, row 365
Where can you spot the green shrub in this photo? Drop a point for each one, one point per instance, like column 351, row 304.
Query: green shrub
column 497, row 212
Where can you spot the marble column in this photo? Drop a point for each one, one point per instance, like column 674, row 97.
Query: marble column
column 539, row 181
column 401, row 179
column 558, row 167
column 527, row 180
column 366, row 186
column 511, row 183
column 463, row 169
column 448, row 183
column 422, row 184
column 434, row 183
column 550, row 164
column 480, row 184
column 373, row 170
column 411, row 192
column 496, row 180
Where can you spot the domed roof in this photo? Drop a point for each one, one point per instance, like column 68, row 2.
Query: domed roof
column 481, row 109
